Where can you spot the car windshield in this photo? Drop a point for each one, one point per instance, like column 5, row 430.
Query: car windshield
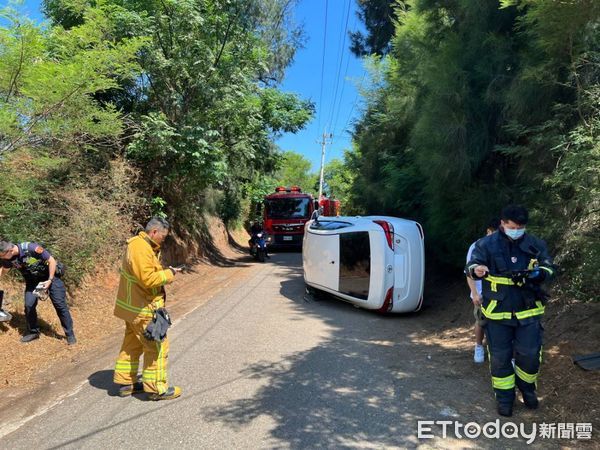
column 288, row 208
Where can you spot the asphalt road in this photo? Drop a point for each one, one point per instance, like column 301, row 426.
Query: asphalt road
column 262, row 366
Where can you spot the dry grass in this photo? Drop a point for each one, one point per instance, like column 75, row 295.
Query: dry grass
column 92, row 306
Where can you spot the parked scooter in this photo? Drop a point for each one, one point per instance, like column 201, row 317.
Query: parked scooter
column 258, row 246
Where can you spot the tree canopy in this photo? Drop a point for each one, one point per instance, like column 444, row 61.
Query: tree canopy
column 485, row 104
column 179, row 101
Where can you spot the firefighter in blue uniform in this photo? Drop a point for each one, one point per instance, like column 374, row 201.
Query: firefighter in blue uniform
column 37, row 266
column 513, row 264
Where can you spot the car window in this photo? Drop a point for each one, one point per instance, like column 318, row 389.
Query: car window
column 355, row 264
column 329, row 225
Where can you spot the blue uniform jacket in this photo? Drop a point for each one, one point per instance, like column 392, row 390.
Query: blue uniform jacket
column 32, row 261
column 503, row 298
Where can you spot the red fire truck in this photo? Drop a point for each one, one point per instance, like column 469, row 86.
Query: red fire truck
column 286, row 211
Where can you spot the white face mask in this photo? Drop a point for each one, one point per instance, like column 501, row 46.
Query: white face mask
column 515, row 234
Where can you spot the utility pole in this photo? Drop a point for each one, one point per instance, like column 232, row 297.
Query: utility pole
column 323, row 143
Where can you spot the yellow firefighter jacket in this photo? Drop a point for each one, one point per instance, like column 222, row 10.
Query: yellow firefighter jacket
column 142, row 280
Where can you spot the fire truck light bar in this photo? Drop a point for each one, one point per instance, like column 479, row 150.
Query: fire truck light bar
column 288, row 189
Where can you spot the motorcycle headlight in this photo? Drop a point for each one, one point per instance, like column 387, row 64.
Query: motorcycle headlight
column 259, row 235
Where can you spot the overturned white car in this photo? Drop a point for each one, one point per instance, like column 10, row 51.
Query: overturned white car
column 372, row 262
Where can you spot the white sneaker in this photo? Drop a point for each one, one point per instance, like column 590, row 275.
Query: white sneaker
column 479, row 355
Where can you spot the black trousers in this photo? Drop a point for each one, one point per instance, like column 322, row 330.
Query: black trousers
column 523, row 341
column 58, row 296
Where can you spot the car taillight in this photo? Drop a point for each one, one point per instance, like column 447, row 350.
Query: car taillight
column 388, row 229
column 420, row 230
column 388, row 303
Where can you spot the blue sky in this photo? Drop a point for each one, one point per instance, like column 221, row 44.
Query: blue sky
column 342, row 72
column 304, row 78
column 29, row 7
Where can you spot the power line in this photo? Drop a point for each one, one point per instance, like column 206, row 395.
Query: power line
column 323, row 65
column 343, row 29
column 337, row 114
column 355, row 101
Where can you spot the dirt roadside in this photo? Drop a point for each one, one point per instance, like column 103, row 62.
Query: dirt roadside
column 568, row 393
column 37, row 375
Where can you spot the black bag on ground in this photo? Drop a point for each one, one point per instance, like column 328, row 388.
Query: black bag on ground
column 156, row 330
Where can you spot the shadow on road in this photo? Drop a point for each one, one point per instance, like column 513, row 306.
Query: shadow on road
column 369, row 381
column 103, row 380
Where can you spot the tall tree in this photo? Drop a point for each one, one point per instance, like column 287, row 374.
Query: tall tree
column 49, row 79
column 206, row 105
column 378, row 18
column 296, row 171
column 485, row 104
column 338, row 181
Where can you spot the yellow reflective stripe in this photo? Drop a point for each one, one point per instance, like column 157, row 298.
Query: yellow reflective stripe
column 164, row 277
column 499, row 280
column 128, row 276
column 149, row 376
column 504, row 382
column 128, row 290
column 129, row 280
column 158, row 374
column 147, row 311
column 129, row 370
column 161, row 377
column 526, row 377
column 495, row 281
column 487, row 312
column 547, row 269
column 127, row 365
column 539, row 310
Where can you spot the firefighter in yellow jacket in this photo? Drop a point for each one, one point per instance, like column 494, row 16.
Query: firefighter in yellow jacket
column 141, row 291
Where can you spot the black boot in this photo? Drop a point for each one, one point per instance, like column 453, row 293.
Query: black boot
column 504, row 409
column 530, row 399
column 30, row 337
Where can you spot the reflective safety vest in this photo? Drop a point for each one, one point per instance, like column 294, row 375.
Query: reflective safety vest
column 488, row 310
column 142, row 281
column 503, row 298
